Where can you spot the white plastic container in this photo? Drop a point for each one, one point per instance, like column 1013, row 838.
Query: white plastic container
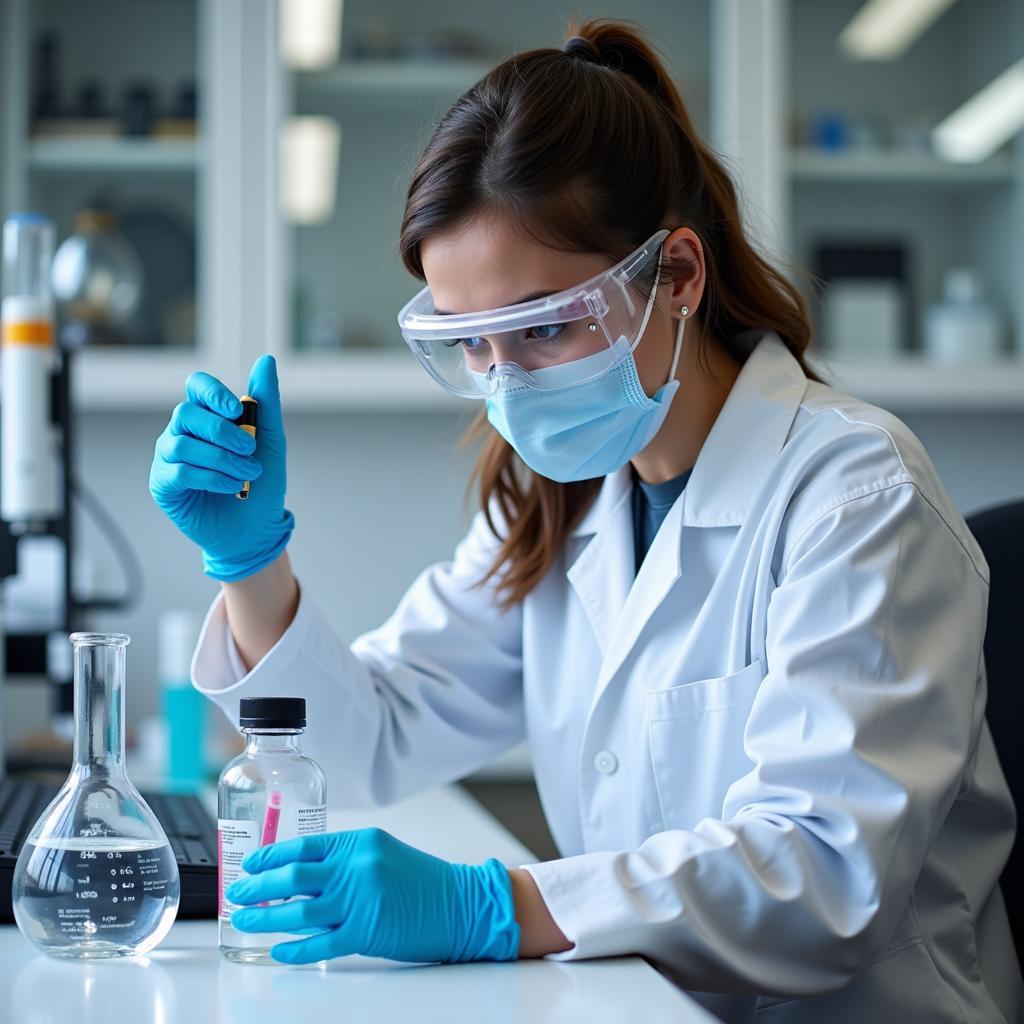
column 963, row 328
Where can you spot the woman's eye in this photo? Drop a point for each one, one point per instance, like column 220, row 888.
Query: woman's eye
column 468, row 343
column 547, row 332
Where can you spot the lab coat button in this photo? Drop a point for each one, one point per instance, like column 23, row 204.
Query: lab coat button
column 606, row 762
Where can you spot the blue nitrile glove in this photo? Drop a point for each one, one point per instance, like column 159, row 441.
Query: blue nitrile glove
column 201, row 460
column 372, row 894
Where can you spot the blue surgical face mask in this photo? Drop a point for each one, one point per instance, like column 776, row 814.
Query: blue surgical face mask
column 582, row 431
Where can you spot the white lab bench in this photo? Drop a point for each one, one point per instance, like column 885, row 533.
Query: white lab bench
column 185, row 981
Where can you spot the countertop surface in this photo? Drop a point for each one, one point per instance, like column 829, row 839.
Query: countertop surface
column 185, row 981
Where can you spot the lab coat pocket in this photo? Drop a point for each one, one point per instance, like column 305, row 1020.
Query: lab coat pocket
column 695, row 732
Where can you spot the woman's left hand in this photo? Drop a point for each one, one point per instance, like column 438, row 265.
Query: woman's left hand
column 369, row 893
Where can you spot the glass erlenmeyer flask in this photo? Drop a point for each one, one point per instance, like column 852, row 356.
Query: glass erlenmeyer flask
column 96, row 877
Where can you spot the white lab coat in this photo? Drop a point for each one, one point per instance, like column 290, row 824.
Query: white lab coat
column 764, row 760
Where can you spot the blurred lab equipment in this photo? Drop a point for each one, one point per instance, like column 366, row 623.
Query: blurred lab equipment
column 37, row 484
column 862, row 317
column 829, row 130
column 138, row 111
column 325, row 331
column 270, row 792
column 179, row 122
column 866, row 306
column 96, row 877
column 28, row 487
column 46, row 84
column 164, row 240
column 98, row 277
column 184, row 706
column 963, row 327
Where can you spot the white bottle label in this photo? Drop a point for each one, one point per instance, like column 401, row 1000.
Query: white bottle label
column 310, row 819
column 236, row 839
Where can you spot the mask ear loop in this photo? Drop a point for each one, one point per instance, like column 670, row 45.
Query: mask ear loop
column 679, row 343
column 679, row 330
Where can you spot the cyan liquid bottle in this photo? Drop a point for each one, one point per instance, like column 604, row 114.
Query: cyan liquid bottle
column 185, row 708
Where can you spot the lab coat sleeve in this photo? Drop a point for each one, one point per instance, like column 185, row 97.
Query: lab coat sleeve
column 430, row 696
column 859, row 735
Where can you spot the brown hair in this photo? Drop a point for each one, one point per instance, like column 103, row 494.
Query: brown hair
column 589, row 148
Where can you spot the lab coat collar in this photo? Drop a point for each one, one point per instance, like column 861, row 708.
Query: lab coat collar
column 738, row 454
column 732, row 467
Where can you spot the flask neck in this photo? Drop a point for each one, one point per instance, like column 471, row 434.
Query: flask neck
column 99, row 706
column 271, row 741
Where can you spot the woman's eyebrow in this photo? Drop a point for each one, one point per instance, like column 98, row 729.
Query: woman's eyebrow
column 525, row 298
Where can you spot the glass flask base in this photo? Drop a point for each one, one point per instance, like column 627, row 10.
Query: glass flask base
column 93, row 951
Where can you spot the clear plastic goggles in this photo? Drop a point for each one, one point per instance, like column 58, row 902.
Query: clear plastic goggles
column 558, row 341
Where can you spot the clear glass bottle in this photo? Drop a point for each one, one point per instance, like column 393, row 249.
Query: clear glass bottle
column 96, row 877
column 270, row 792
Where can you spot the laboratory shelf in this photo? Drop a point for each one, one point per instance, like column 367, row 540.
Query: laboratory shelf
column 137, row 379
column 915, row 383
column 132, row 379
column 889, row 167
column 399, row 79
column 73, row 155
column 363, row 380
column 382, row 379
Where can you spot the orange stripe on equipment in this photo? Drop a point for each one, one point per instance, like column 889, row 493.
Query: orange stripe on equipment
column 28, row 332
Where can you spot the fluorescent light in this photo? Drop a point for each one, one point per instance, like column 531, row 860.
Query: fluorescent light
column 974, row 131
column 885, row 29
column 309, row 168
column 310, row 33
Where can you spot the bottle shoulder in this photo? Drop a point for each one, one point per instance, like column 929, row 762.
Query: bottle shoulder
column 259, row 769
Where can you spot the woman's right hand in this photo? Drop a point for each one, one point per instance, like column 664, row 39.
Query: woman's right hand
column 200, row 462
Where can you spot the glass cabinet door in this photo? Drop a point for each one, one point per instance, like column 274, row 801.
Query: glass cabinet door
column 103, row 133
column 910, row 220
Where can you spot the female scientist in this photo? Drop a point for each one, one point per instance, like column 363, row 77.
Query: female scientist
column 734, row 612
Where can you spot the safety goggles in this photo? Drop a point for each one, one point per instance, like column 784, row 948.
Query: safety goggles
column 560, row 340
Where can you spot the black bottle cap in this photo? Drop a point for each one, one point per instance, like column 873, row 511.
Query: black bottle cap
column 272, row 713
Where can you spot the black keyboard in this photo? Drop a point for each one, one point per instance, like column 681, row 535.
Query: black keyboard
column 190, row 830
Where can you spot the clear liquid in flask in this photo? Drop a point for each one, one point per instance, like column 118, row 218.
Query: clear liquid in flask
column 96, row 897
column 95, row 877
